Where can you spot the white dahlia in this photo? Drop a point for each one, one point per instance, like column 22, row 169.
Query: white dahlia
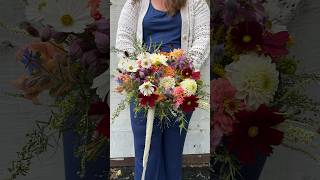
column 68, row 15
column 167, row 82
column 189, row 86
column 255, row 78
column 147, row 88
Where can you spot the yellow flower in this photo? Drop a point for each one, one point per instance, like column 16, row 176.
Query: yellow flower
column 158, row 59
column 189, row 86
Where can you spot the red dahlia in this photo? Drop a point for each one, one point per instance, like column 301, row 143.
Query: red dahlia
column 254, row 133
column 246, row 36
column 275, row 45
column 190, row 103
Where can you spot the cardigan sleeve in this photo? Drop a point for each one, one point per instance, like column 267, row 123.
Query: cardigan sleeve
column 127, row 26
column 200, row 47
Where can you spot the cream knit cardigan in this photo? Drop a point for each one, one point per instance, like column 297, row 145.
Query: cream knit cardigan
column 195, row 30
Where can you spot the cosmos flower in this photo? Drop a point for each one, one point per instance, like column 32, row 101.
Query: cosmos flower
column 254, row 133
column 34, row 10
column 190, row 103
column 68, row 15
column 147, row 88
column 187, row 72
column 246, row 36
column 148, row 100
column 145, row 60
column 131, row 66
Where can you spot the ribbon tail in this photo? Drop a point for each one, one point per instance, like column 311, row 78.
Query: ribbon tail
column 149, row 129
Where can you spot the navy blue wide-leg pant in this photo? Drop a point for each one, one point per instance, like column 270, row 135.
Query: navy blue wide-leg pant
column 165, row 155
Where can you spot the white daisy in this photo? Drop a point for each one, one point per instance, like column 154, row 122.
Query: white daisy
column 131, row 66
column 145, row 60
column 68, row 15
column 158, row 59
column 101, row 84
column 255, row 78
column 34, row 9
column 147, row 88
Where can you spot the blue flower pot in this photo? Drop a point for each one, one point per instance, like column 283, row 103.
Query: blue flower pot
column 95, row 170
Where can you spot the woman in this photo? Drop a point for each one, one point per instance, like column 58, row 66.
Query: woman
column 174, row 24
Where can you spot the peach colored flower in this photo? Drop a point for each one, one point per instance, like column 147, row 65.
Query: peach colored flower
column 176, row 53
column 178, row 91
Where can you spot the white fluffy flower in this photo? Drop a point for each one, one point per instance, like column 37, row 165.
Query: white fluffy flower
column 131, row 66
column 158, row 59
column 189, row 86
column 145, row 60
column 167, row 82
column 68, row 15
column 34, row 9
column 255, row 78
column 147, row 88
column 122, row 63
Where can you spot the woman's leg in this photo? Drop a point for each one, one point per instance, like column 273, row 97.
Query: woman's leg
column 173, row 143
column 155, row 160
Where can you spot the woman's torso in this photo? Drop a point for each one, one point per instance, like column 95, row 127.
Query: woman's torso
column 160, row 28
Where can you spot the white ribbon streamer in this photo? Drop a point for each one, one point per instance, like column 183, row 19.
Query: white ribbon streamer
column 149, row 128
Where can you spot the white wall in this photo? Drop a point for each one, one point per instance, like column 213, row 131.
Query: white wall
column 121, row 142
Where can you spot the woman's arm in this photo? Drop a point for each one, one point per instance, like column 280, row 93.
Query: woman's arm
column 200, row 48
column 127, row 26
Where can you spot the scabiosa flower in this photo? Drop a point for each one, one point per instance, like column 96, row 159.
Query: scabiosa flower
column 255, row 78
column 147, row 88
column 246, row 36
column 255, row 133
column 190, row 103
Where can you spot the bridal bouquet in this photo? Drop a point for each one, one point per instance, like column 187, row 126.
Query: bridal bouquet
column 67, row 58
column 166, row 82
column 257, row 93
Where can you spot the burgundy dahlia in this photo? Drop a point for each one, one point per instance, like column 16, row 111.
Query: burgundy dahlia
column 254, row 133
